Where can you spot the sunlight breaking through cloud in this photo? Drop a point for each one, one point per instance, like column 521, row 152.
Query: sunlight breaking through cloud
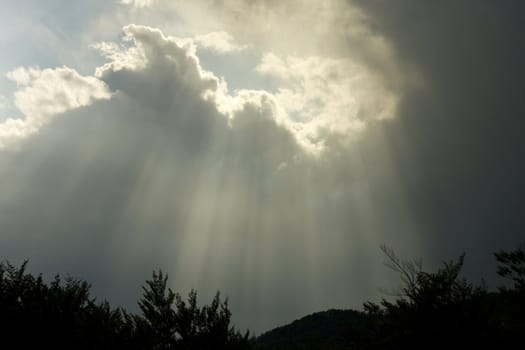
column 317, row 97
column 240, row 153
column 323, row 96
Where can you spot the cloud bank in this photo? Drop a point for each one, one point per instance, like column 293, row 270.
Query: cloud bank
column 44, row 94
column 153, row 162
column 267, row 149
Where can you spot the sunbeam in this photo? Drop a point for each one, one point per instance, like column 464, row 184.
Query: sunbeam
column 266, row 149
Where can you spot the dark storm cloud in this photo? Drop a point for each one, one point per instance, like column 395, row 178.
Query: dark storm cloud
column 458, row 140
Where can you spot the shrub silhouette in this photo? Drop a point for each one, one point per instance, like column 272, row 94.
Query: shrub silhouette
column 512, row 300
column 512, row 266
column 173, row 323
column 432, row 310
column 62, row 315
column 59, row 315
column 436, row 310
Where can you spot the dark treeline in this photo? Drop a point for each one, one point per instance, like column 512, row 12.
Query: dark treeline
column 432, row 310
column 62, row 315
column 441, row 310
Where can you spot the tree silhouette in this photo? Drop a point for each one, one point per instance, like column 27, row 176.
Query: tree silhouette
column 62, row 315
column 512, row 266
column 433, row 310
column 178, row 324
column 511, row 301
column 156, row 305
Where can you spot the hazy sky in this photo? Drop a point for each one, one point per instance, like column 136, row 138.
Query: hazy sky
column 265, row 149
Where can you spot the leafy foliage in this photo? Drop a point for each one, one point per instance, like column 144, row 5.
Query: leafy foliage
column 61, row 314
column 173, row 323
column 512, row 300
column 438, row 310
column 431, row 310
column 512, row 266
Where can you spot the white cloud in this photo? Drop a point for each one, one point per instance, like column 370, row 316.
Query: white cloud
column 335, row 78
column 120, row 57
column 12, row 130
column 54, row 91
column 323, row 96
column 23, row 76
column 316, row 97
column 157, row 58
column 45, row 94
column 138, row 3
column 221, row 42
column 333, row 28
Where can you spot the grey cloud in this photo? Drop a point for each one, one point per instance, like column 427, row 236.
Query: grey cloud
column 149, row 179
column 157, row 177
column 458, row 138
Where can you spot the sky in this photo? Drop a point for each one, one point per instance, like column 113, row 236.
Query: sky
column 266, row 149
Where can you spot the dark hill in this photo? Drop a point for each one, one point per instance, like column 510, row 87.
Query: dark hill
column 321, row 330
